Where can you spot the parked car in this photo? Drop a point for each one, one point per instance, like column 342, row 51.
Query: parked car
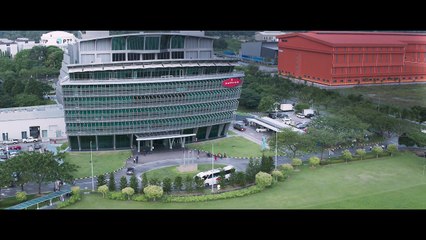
column 309, row 115
column 130, row 171
column 273, row 115
column 30, row 139
column 300, row 115
column 15, row 147
column 37, row 146
column 239, row 126
column 282, row 115
column 13, row 141
column 261, row 129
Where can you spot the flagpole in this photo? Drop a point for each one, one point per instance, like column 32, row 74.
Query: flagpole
column 212, row 168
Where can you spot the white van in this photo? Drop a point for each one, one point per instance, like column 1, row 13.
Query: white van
column 211, row 177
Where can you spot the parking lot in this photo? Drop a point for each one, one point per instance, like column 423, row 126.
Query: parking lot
column 18, row 147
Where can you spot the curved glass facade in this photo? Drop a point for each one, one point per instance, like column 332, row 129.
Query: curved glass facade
column 119, row 107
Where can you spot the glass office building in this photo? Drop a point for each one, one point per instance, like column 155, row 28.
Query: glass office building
column 146, row 90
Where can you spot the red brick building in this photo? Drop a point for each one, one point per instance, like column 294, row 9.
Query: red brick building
column 353, row 58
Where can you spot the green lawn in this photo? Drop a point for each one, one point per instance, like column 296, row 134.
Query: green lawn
column 11, row 201
column 172, row 172
column 397, row 95
column 103, row 162
column 231, row 133
column 384, row 183
column 232, row 146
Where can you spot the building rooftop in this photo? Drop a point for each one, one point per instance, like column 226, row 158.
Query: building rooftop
column 34, row 112
column 362, row 38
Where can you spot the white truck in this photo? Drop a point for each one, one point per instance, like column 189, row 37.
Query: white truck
column 308, row 111
column 286, row 107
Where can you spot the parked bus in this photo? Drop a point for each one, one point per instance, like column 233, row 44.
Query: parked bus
column 211, row 177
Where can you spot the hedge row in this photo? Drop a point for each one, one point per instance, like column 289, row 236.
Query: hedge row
column 225, row 195
column 369, row 155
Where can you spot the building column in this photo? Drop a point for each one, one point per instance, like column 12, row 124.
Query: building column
column 139, row 146
column 221, row 126
column 151, row 144
column 131, row 141
column 209, row 128
column 182, row 140
column 194, row 138
column 226, row 126
column 78, row 141
column 96, row 140
column 113, row 141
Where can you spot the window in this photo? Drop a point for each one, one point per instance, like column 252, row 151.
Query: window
column 165, row 42
column 118, row 43
column 177, row 42
column 135, row 43
column 148, row 56
column 24, row 134
column 163, row 55
column 177, row 55
column 134, row 56
column 116, row 57
column 44, row 133
column 5, row 136
column 152, row 43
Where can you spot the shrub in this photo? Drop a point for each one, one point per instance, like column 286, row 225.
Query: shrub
column 154, row 181
column 153, row 192
column 263, row 179
column 286, row 167
column 134, row 183
column 103, row 189
column 252, row 169
column 314, row 161
column 140, row 198
column 75, row 190
column 101, row 180
column 111, row 184
column 178, row 183
column 167, row 185
column 266, row 164
column 278, row 175
column 392, row 148
column 123, row 182
column 21, row 196
column 116, row 196
column 377, row 150
column 209, row 197
column 360, row 152
column 189, row 184
column 128, row 191
column 296, row 162
column 347, row 155
column 199, row 183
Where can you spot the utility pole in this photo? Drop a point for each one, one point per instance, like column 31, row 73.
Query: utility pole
column 212, row 168
column 91, row 163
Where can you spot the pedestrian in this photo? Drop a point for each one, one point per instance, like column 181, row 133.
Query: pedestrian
column 134, row 160
column 137, row 159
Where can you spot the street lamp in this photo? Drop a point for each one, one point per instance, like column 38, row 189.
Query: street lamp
column 91, row 163
column 212, row 168
column 276, row 150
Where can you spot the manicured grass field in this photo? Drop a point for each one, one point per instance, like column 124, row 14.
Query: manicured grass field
column 103, row 162
column 384, row 183
column 172, row 172
column 397, row 95
column 232, row 146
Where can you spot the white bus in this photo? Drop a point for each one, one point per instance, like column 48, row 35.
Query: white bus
column 211, row 177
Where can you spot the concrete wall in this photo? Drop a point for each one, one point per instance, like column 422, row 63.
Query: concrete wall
column 14, row 128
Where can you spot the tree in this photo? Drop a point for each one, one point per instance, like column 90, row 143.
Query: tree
column 240, row 178
column 134, row 183
column 300, row 107
column 324, row 139
column 19, row 167
column 263, row 179
column 189, row 184
column 24, row 100
column 5, row 176
column 178, row 183
column 252, row 169
column 154, row 181
column 249, row 98
column 296, row 162
column 103, row 189
column 167, row 185
column 347, row 155
column 266, row 103
column 111, row 184
column 144, row 182
column 267, row 164
column 360, row 152
column 128, row 191
column 123, row 182
column 153, row 192
column 222, row 179
column 43, row 168
column 377, row 150
column 314, row 161
column 101, row 180
column 220, row 44
column 199, row 183
column 291, row 143
column 392, row 148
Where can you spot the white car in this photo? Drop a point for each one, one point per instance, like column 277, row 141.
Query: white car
column 300, row 115
column 30, row 139
column 261, row 129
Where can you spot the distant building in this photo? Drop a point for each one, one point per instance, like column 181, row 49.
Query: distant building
column 45, row 122
column 263, row 50
column 92, row 34
column 12, row 47
column 353, row 58
column 57, row 38
column 146, row 91
column 267, row 36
